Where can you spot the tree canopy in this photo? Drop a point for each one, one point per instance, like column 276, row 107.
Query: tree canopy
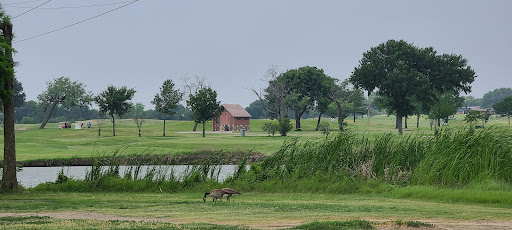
column 504, row 107
column 492, row 97
column 404, row 73
column 204, row 106
column 167, row 100
column 62, row 91
column 114, row 101
column 306, row 85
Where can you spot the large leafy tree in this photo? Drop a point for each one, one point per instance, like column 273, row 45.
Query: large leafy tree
column 114, row 101
column 403, row 73
column 492, row 97
column 391, row 68
column 306, row 85
column 62, row 91
column 9, row 179
column 167, row 100
column 504, row 107
column 204, row 106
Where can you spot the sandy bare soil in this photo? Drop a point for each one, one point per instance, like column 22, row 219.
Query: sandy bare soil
column 438, row 223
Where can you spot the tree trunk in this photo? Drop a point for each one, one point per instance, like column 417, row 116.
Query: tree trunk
column 164, row 126
column 113, row 125
column 418, row 121
column 368, row 107
column 297, row 121
column 9, row 179
column 318, row 122
column 49, row 114
column 204, row 123
column 195, row 126
column 399, row 124
column 439, row 122
column 354, row 116
column 396, row 121
column 340, row 116
column 508, row 115
column 406, row 121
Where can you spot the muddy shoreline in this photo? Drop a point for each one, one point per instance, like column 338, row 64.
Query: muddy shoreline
column 181, row 159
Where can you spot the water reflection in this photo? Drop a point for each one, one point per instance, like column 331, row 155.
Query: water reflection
column 32, row 176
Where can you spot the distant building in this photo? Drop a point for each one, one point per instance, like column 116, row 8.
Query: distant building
column 232, row 117
column 477, row 108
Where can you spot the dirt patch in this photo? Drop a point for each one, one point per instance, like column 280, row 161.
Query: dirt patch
column 378, row 224
column 182, row 159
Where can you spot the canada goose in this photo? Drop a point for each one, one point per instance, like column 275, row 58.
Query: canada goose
column 230, row 192
column 216, row 194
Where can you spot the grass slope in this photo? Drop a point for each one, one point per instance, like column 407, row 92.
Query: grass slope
column 54, row 143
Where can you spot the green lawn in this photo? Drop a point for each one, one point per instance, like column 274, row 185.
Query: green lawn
column 33, row 143
column 253, row 210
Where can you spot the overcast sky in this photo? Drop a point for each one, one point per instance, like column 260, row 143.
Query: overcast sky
column 232, row 43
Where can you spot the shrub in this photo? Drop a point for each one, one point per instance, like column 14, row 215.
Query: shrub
column 284, row 126
column 270, row 127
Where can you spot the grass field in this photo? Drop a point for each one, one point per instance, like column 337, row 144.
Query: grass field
column 251, row 210
column 33, row 143
column 350, row 181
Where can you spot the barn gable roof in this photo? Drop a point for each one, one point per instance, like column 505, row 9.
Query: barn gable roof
column 236, row 110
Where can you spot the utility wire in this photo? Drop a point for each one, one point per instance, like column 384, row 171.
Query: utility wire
column 72, row 7
column 76, row 23
column 31, row 9
column 18, row 3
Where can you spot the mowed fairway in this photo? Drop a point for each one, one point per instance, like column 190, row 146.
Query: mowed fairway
column 33, row 143
column 252, row 210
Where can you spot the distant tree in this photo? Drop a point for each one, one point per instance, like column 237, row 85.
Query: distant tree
column 403, row 73
column 167, row 100
column 470, row 101
column 472, row 116
column 492, row 97
column 204, row 106
column 272, row 98
column 138, row 116
column 357, row 102
column 256, row 110
column 19, row 94
column 63, row 91
column 340, row 95
column 446, row 105
column 29, row 109
column 114, row 101
column 192, row 87
column 504, row 107
column 306, row 86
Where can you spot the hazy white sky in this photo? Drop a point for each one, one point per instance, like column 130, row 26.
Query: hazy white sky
column 233, row 42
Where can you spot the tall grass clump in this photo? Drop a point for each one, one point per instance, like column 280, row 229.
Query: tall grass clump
column 349, row 163
column 464, row 156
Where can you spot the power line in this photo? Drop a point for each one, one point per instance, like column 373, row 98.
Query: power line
column 18, row 3
column 76, row 23
column 72, row 7
column 31, row 9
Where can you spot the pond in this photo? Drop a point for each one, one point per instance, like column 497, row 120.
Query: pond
column 32, row 176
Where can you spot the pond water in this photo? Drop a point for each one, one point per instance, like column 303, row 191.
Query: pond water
column 32, row 176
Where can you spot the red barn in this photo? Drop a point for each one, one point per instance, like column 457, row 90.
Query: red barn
column 232, row 117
